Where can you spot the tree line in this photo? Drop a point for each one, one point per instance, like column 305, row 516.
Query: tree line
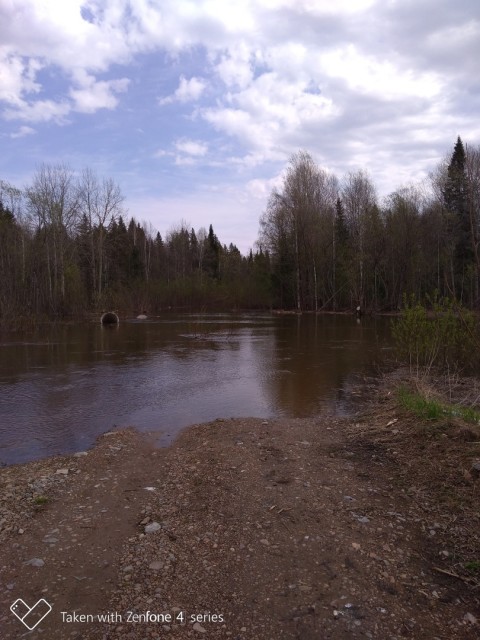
column 67, row 246
column 333, row 245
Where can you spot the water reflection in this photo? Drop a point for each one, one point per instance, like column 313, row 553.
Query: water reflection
column 61, row 389
column 313, row 359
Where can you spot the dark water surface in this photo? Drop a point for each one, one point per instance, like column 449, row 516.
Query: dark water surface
column 69, row 383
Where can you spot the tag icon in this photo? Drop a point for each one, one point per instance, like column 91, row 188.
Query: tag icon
column 30, row 616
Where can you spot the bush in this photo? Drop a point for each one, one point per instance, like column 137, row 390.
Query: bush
column 442, row 336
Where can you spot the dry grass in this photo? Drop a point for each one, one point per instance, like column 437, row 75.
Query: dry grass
column 430, row 460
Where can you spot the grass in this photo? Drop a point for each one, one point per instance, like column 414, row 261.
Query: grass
column 434, row 410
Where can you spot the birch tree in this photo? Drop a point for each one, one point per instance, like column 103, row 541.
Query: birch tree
column 52, row 202
column 99, row 202
column 358, row 197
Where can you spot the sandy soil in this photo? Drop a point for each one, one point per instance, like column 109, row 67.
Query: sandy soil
column 243, row 529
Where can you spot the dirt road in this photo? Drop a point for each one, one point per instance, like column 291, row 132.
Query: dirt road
column 243, row 529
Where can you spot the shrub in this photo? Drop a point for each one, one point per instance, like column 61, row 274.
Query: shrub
column 442, row 336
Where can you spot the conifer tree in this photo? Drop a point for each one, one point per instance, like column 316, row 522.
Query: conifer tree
column 458, row 221
column 212, row 254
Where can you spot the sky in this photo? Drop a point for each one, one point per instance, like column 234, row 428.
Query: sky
column 195, row 107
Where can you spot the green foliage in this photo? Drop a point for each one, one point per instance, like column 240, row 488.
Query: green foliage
column 419, row 405
column 443, row 336
column 68, row 247
column 431, row 409
column 455, row 188
column 473, row 566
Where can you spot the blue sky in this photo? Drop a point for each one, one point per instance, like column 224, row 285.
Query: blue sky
column 195, row 107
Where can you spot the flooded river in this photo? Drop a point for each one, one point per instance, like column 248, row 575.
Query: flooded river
column 69, row 383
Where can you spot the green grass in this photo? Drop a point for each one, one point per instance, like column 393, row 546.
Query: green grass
column 473, row 566
column 419, row 405
column 433, row 410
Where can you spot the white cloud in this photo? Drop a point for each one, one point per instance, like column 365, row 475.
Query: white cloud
column 39, row 35
column 22, row 132
column 377, row 77
column 93, row 95
column 354, row 82
column 267, row 113
column 236, row 66
column 161, row 153
column 189, row 152
column 191, row 147
column 16, row 77
column 188, row 91
column 39, row 111
column 262, row 188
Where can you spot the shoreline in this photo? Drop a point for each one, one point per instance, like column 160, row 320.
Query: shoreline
column 284, row 528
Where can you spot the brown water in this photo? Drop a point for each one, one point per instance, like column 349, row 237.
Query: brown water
column 62, row 388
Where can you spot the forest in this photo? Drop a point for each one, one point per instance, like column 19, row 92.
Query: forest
column 67, row 247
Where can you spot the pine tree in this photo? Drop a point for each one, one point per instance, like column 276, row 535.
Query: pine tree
column 456, row 202
column 455, row 192
column 212, row 254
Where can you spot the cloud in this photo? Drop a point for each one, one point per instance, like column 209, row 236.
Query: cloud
column 376, row 77
column 17, row 77
column 39, row 111
column 161, row 153
column 56, row 37
column 191, row 147
column 264, row 116
column 188, row 91
column 22, row 132
column 189, row 152
column 385, row 85
column 236, row 66
column 93, row 95
column 262, row 188
column 184, row 152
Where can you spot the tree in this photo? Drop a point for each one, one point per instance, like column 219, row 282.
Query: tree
column 178, row 243
column 201, row 249
column 341, row 257
column 455, row 195
column 10, row 259
column 276, row 238
column 298, row 230
column 100, row 201
column 403, row 244
column 472, row 169
column 52, row 201
column 212, row 254
column 358, row 198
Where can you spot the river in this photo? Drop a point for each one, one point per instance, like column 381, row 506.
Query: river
column 63, row 387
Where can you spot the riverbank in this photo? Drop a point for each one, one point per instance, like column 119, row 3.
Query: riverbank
column 315, row 528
